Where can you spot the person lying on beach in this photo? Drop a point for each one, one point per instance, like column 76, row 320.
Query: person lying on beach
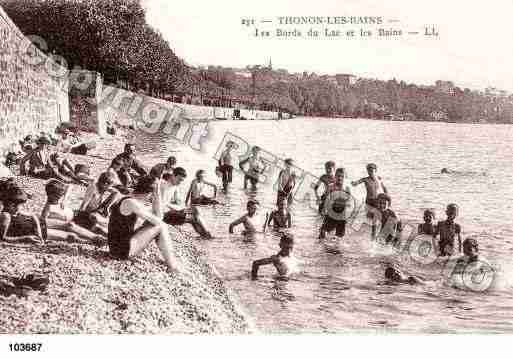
column 69, row 142
column 175, row 213
column 127, row 238
column 250, row 220
column 284, row 261
column 16, row 226
column 280, row 218
column 390, row 226
column 132, row 169
column 67, row 172
column 334, row 208
column 427, row 227
column 40, row 162
column 396, row 276
column 57, row 218
column 326, row 180
column 94, row 211
column 286, row 182
column 448, row 231
column 373, row 186
column 255, row 168
column 196, row 193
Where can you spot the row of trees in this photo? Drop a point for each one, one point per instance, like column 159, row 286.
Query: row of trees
column 110, row 37
column 113, row 38
column 371, row 98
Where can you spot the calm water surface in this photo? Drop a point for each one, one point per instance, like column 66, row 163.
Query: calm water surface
column 346, row 291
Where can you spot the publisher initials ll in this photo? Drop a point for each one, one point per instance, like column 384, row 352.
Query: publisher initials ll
column 430, row 31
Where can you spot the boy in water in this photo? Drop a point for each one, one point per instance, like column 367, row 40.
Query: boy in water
column 373, row 186
column 396, row 276
column 256, row 167
column 326, row 179
column 226, row 164
column 249, row 220
column 197, row 189
column 334, row 208
column 448, row 230
column 427, row 227
column 390, row 224
column 280, row 218
column 284, row 262
column 286, row 183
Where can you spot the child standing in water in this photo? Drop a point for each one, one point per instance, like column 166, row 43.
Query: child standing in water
column 280, row 218
column 334, row 209
column 373, row 185
column 390, row 224
column 427, row 227
column 286, row 183
column 448, row 230
column 326, row 180
column 284, row 262
column 196, row 192
column 226, row 164
column 250, row 220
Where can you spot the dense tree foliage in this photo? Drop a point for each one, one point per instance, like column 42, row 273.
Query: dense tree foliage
column 110, row 37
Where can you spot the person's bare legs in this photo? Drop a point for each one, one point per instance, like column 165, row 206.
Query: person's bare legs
column 198, row 225
column 145, row 235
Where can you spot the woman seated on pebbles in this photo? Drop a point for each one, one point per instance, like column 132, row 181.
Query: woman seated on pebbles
column 132, row 228
column 94, row 210
column 57, row 219
column 16, row 226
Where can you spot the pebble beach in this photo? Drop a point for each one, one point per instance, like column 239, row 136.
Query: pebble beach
column 91, row 293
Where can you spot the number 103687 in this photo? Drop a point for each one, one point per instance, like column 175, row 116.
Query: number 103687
column 25, row 347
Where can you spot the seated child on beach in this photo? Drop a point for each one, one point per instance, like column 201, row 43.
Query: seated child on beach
column 113, row 170
column 284, row 262
column 57, row 219
column 16, row 226
column 448, row 230
column 427, row 227
column 196, row 193
column 250, row 220
column 390, row 228
column 94, row 210
column 280, row 218
column 175, row 213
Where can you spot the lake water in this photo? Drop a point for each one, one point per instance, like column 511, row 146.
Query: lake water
column 346, row 291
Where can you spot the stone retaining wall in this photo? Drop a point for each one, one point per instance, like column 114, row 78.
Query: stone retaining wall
column 33, row 98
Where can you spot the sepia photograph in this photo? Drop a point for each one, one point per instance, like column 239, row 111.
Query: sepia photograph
column 250, row 170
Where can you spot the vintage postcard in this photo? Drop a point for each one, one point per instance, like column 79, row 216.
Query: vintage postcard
column 253, row 169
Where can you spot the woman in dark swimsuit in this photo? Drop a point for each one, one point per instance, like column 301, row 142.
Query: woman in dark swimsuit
column 126, row 239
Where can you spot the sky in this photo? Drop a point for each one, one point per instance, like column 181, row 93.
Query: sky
column 473, row 49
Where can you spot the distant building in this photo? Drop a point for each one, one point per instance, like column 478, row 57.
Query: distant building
column 495, row 92
column 345, row 79
column 444, row 87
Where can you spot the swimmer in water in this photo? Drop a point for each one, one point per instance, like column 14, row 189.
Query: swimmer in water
column 448, row 231
column 427, row 227
column 284, row 262
column 249, row 220
column 396, row 276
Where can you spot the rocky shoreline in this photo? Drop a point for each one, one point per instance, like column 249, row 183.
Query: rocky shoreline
column 91, row 293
